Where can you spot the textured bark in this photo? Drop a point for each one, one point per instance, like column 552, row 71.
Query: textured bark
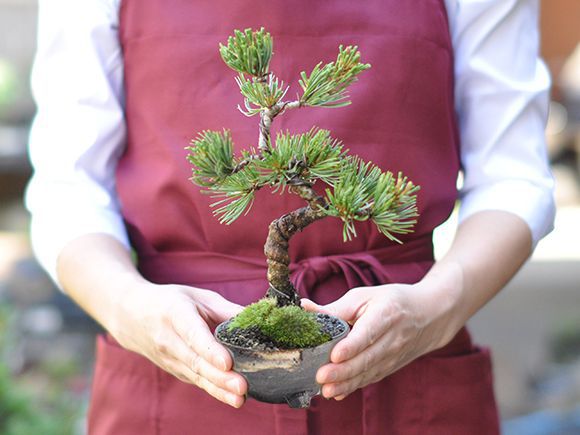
column 264, row 132
column 276, row 248
column 266, row 118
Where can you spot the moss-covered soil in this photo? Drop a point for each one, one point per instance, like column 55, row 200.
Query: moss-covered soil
column 253, row 338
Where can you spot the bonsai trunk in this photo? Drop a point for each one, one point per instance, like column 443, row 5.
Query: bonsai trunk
column 276, row 247
column 282, row 229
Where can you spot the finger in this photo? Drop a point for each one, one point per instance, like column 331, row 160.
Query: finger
column 184, row 373
column 376, row 353
column 375, row 373
column 312, row 306
column 193, row 330
column 368, row 328
column 227, row 380
column 340, row 390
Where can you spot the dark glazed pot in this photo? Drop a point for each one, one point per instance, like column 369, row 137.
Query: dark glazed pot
column 282, row 376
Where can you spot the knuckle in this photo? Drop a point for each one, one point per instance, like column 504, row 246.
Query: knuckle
column 195, row 363
column 349, row 370
column 371, row 334
column 170, row 315
column 373, row 376
column 368, row 360
column 191, row 337
column 162, row 348
column 349, row 387
column 161, row 343
column 182, row 377
column 196, row 379
column 377, row 376
column 397, row 347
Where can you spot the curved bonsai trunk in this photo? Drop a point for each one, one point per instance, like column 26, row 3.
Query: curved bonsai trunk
column 276, row 247
column 282, row 229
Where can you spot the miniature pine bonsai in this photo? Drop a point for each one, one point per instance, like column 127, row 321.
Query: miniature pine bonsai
column 356, row 190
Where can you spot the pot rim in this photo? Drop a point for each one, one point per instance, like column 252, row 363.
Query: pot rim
column 332, row 340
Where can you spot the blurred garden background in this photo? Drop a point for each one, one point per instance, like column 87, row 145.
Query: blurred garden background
column 533, row 326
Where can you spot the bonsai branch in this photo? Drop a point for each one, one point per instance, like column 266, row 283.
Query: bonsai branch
column 266, row 118
column 307, row 193
column 245, row 162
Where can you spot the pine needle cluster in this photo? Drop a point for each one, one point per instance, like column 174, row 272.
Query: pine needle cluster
column 326, row 86
column 364, row 191
column 260, row 94
column 212, row 156
column 302, row 159
column 248, row 52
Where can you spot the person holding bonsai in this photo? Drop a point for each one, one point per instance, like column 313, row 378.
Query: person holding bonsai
column 122, row 85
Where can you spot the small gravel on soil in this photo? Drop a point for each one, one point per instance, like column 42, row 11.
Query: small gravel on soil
column 254, row 339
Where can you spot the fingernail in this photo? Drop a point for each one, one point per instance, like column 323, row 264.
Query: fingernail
column 221, row 362
column 340, row 355
column 233, row 400
column 234, row 385
column 328, row 393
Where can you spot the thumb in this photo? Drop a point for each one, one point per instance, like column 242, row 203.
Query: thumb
column 225, row 309
column 311, row 306
column 347, row 307
column 218, row 307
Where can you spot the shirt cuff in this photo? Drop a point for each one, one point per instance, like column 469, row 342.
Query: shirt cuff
column 534, row 204
column 51, row 233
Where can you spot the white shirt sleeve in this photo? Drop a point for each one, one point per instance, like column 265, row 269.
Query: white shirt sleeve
column 502, row 94
column 78, row 133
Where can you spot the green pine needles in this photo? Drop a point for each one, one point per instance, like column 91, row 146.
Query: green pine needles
column 305, row 157
column 259, row 94
column 364, row 192
column 354, row 190
column 326, row 86
column 248, row 52
column 212, row 157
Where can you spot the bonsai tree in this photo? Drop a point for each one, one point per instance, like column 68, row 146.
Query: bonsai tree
column 354, row 190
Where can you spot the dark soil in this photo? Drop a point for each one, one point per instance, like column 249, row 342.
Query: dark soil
column 252, row 338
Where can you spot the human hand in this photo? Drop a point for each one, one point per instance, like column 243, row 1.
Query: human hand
column 170, row 325
column 391, row 326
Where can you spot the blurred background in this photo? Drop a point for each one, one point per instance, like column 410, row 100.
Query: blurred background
column 533, row 326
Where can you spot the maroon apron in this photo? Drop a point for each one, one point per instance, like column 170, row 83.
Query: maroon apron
column 401, row 118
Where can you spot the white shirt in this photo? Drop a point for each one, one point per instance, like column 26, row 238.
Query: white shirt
column 79, row 133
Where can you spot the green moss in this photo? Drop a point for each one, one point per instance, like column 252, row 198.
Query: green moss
column 289, row 326
column 254, row 314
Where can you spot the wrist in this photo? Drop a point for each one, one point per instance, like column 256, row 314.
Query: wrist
column 128, row 297
column 443, row 292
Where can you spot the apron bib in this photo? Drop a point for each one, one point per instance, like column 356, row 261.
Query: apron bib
column 401, row 118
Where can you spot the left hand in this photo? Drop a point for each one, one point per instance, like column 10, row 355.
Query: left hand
column 392, row 325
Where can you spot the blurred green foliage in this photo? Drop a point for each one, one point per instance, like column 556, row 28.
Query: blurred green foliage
column 8, row 83
column 53, row 412
column 565, row 341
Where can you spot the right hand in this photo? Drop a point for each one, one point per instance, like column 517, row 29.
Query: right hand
column 170, row 325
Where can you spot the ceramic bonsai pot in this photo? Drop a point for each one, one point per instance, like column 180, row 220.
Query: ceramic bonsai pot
column 282, row 376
